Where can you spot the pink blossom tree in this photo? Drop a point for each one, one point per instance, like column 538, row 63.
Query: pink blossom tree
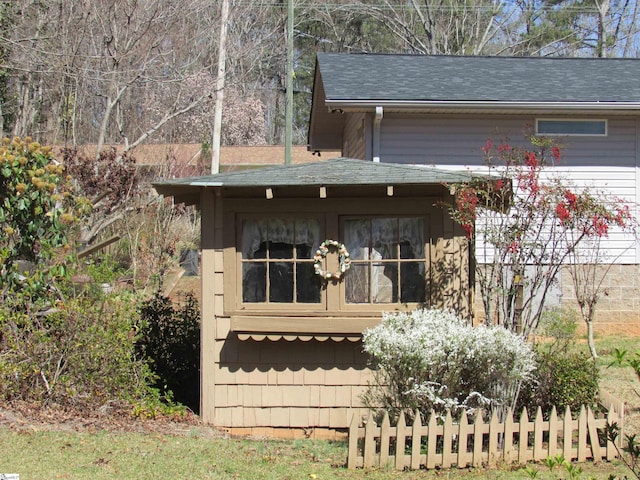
column 528, row 225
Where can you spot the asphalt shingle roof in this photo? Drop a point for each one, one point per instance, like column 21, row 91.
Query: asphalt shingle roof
column 421, row 78
column 335, row 172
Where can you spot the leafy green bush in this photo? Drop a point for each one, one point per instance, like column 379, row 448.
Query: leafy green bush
column 567, row 380
column 80, row 352
column 433, row 360
column 39, row 211
column 170, row 339
column 558, row 329
column 566, row 375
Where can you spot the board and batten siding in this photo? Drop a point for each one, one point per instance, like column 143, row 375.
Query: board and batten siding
column 355, row 136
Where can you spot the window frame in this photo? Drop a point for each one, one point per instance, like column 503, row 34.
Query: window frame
column 572, row 120
column 267, row 305
column 330, row 212
column 352, row 307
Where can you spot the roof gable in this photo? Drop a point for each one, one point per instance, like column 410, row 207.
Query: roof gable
column 458, row 84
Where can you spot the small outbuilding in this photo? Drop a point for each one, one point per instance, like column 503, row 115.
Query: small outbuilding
column 297, row 260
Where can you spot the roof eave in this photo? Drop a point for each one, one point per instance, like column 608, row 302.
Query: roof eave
column 344, row 105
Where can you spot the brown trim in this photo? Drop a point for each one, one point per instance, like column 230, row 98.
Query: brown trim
column 299, row 325
column 440, row 237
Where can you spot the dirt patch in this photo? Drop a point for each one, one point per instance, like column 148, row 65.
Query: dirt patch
column 112, row 417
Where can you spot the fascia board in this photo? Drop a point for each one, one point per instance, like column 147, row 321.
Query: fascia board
column 496, row 105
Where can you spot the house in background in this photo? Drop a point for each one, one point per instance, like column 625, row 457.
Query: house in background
column 281, row 347
column 440, row 110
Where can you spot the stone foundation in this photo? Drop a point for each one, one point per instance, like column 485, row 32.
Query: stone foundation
column 617, row 310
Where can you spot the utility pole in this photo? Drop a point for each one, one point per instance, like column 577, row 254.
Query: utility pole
column 217, row 116
column 288, row 129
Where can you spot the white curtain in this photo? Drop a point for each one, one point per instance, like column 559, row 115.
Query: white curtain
column 281, row 230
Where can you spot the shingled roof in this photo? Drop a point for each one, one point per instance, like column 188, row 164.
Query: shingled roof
column 420, row 78
column 344, row 172
column 457, row 84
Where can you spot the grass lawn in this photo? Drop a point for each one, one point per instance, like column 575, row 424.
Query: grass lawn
column 108, row 455
column 52, row 454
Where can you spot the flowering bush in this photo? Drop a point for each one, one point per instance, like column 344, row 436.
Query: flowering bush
column 38, row 211
column 434, row 360
column 523, row 247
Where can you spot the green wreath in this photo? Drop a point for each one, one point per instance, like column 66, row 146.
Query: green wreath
column 344, row 259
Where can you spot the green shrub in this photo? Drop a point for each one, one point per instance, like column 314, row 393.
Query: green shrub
column 565, row 376
column 567, row 380
column 80, row 352
column 39, row 212
column 170, row 339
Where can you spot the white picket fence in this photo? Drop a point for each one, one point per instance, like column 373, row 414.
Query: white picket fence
column 462, row 444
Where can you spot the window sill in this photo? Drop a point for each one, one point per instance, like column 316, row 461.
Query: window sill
column 319, row 327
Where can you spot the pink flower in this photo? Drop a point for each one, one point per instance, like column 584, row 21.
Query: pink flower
column 571, row 197
column 600, row 226
column 504, row 147
column 556, row 153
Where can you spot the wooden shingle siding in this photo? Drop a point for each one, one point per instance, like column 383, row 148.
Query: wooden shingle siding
column 301, row 381
column 354, row 136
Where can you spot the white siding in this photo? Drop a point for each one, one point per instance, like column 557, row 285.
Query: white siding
column 608, row 164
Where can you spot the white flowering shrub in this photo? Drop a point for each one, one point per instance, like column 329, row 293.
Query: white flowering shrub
column 433, row 360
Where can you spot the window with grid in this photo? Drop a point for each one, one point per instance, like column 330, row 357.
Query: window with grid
column 388, row 260
column 277, row 260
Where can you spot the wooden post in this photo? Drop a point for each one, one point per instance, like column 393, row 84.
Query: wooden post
column 353, row 443
column 477, row 439
column 582, row 435
column 523, row 441
column 463, row 438
column 594, row 440
column 369, row 443
column 567, row 435
column 509, row 430
column 432, row 441
column 494, row 428
column 538, row 426
column 447, row 439
column 553, row 432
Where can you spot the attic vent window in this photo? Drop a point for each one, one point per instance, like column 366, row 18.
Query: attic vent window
column 586, row 127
